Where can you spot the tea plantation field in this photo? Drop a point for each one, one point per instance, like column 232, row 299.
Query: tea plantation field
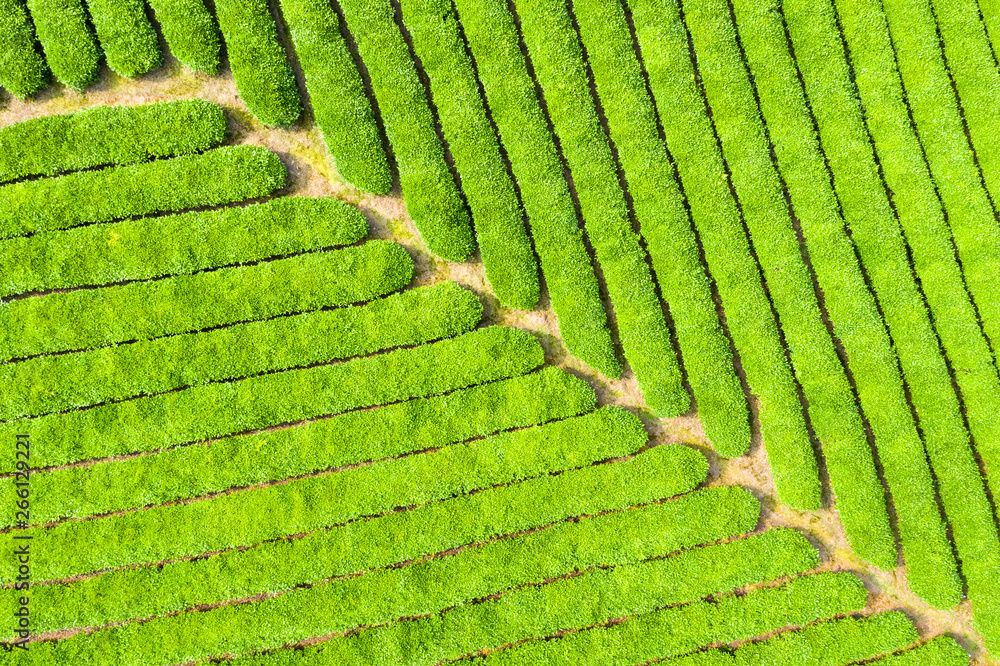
column 422, row 332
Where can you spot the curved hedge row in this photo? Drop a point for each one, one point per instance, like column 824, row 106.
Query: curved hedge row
column 23, row 72
column 105, row 135
column 679, row 629
column 47, row 384
column 69, row 46
column 666, row 227
column 561, row 72
column 941, row 651
column 176, row 244
column 832, row 407
column 301, row 505
column 401, row 536
column 852, row 308
column 432, row 197
column 337, row 95
column 691, row 139
column 191, row 33
column 261, row 68
column 507, row 256
column 510, row 91
column 878, row 238
column 128, row 40
column 346, row 439
column 594, row 597
column 223, row 175
column 92, row 317
column 216, row 410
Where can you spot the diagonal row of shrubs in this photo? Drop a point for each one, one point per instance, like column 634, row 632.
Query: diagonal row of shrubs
column 191, row 32
column 345, row 439
column 852, row 308
column 22, row 70
column 223, row 175
column 691, row 140
column 85, row 318
column 825, row 385
column 216, row 410
column 665, row 225
column 47, row 384
column 131, row 46
column 549, row 551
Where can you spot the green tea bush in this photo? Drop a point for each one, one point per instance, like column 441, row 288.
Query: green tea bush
column 261, row 68
column 154, row 247
column 346, row 439
column 65, row 381
column 666, row 227
column 399, row 536
column 227, row 408
column 507, row 255
column 191, row 33
column 877, row 236
column 852, row 308
column 130, row 44
column 337, row 95
column 263, row 624
column 833, row 410
column 494, row 42
column 833, row 643
column 232, row 520
column 941, row 651
column 561, row 72
column 915, row 197
column 956, row 25
column 432, row 197
column 679, row 629
column 224, row 175
column 92, row 317
column 69, row 46
column 22, row 70
column 690, row 138
column 594, row 597
column 104, row 135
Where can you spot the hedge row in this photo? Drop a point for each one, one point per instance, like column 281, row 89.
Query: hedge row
column 423, row 587
column 690, row 138
column 666, row 228
column 346, row 439
column 258, row 61
column 191, row 33
column 852, row 308
column 130, row 44
column 104, row 135
column 47, row 384
column 680, row 629
column 219, row 176
column 594, row 597
column 989, row 10
column 507, row 255
column 494, row 42
column 69, row 45
column 832, row 408
column 432, row 197
column 878, row 238
column 956, row 24
column 559, row 66
column 250, row 626
column 305, row 504
column 337, row 95
column 223, row 409
column 835, row 643
column 938, row 120
column 941, row 651
column 22, row 70
column 96, row 317
column 176, row 244
column 927, row 233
